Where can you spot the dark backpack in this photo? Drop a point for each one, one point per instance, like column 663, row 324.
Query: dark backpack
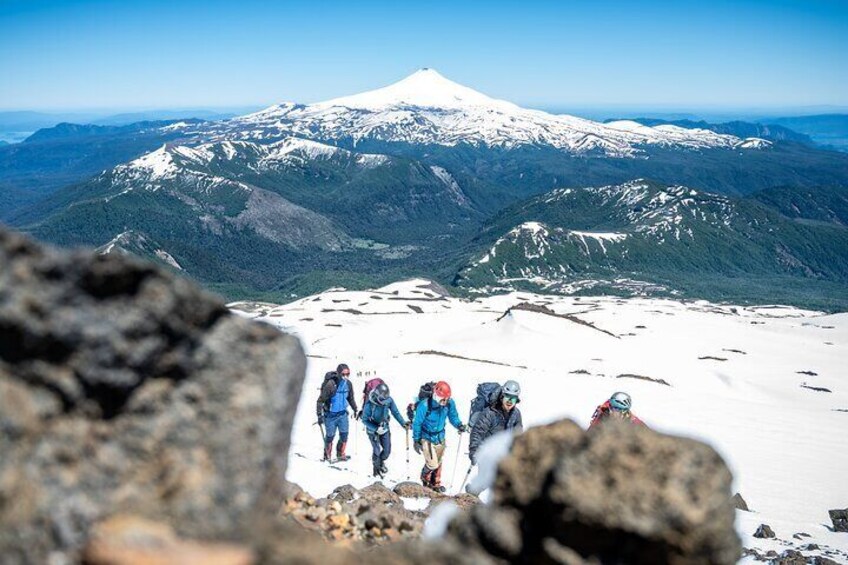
column 487, row 393
column 369, row 386
column 424, row 393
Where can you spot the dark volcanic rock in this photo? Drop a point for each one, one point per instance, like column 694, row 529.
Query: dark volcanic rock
column 839, row 519
column 415, row 490
column 124, row 389
column 764, row 531
column 621, row 494
column 344, row 493
column 739, row 502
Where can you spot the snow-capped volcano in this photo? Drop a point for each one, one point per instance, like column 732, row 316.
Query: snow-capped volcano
column 426, row 108
column 425, row 88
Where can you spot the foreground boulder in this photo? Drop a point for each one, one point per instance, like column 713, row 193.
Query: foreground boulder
column 619, row 494
column 124, row 389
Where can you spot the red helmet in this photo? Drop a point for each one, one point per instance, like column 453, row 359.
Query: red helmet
column 442, row 390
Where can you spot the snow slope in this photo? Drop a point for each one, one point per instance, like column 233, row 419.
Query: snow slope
column 734, row 375
column 427, row 108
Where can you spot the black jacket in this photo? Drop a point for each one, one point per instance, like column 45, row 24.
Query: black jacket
column 491, row 421
column 328, row 389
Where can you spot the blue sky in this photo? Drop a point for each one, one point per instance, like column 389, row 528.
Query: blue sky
column 593, row 53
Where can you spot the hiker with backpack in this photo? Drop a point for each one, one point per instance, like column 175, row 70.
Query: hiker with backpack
column 375, row 417
column 432, row 410
column 617, row 407
column 494, row 409
column 336, row 394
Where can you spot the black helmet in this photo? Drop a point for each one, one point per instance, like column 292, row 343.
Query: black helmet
column 380, row 394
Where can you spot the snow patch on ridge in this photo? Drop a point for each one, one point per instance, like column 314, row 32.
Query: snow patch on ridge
column 600, row 237
column 158, row 164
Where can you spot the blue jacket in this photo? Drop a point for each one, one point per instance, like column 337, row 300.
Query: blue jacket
column 430, row 424
column 374, row 414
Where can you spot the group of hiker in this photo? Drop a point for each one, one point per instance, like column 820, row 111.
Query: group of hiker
column 494, row 409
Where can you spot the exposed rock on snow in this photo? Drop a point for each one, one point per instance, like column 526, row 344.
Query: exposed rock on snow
column 839, row 519
column 764, row 531
column 621, row 494
column 126, row 389
column 739, row 502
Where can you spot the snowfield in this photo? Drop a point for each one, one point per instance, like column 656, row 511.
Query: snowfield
column 766, row 386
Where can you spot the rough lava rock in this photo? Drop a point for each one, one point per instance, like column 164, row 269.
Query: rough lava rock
column 764, row 531
column 618, row 494
column 409, row 489
column 125, row 389
column 839, row 519
column 739, row 503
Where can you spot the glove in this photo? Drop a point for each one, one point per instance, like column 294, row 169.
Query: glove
column 320, row 419
column 408, row 425
column 462, row 428
column 418, row 447
column 358, row 415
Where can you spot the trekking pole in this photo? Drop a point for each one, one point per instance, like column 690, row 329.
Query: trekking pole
column 465, row 480
column 408, row 476
column 355, row 430
column 456, row 460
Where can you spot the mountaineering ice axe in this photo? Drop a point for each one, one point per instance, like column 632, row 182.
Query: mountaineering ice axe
column 465, row 480
column 323, row 434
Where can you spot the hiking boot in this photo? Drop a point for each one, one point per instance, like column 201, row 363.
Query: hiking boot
column 438, row 488
column 340, row 451
column 328, row 451
column 378, row 472
column 383, row 468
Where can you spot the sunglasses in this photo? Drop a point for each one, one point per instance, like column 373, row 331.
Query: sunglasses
column 511, row 398
column 344, row 374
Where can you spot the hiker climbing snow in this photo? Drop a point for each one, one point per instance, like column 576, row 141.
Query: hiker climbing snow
column 493, row 410
column 617, row 407
column 375, row 417
column 336, row 394
column 432, row 409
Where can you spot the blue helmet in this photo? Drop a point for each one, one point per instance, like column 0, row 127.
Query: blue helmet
column 620, row 401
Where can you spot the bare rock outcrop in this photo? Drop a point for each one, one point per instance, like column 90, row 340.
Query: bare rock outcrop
column 618, row 494
column 127, row 390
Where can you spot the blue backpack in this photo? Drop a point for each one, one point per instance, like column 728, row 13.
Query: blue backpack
column 338, row 403
column 487, row 393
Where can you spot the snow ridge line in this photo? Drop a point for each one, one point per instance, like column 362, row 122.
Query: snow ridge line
column 452, row 356
column 527, row 307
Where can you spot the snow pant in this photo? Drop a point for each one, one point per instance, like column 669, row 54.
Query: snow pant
column 381, row 448
column 431, row 473
column 335, row 421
